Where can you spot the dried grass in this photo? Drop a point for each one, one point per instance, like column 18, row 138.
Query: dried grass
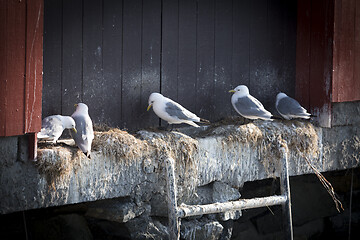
column 301, row 139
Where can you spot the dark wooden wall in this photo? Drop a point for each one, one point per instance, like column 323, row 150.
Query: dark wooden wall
column 112, row 54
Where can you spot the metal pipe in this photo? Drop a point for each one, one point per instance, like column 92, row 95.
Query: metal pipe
column 193, row 210
column 285, row 191
column 174, row 223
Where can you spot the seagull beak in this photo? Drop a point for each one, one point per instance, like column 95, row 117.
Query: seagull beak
column 232, row 90
column 74, row 129
column 75, row 105
column 148, row 108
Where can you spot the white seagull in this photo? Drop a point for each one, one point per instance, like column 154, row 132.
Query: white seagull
column 248, row 106
column 289, row 108
column 53, row 126
column 171, row 111
column 85, row 133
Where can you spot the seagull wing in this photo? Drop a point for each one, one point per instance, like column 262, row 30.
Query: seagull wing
column 289, row 106
column 85, row 132
column 250, row 106
column 51, row 128
column 176, row 110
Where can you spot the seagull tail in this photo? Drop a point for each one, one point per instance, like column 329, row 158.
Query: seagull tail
column 87, row 154
column 42, row 135
column 192, row 123
column 276, row 117
column 202, row 120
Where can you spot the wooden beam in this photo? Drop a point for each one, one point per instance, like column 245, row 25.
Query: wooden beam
column 12, row 67
column 34, row 65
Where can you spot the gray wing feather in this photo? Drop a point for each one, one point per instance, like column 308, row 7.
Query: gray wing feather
column 51, row 126
column 247, row 107
column 175, row 111
column 84, row 132
column 289, row 106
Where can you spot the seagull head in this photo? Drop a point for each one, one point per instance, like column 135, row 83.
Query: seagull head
column 241, row 90
column 81, row 107
column 69, row 123
column 279, row 96
column 154, row 97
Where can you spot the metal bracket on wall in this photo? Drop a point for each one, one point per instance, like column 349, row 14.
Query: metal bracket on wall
column 177, row 212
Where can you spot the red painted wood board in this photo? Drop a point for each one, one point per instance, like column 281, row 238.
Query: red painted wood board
column 34, row 63
column 3, row 10
column 20, row 66
column 314, row 57
column 344, row 51
column 12, row 65
column 356, row 79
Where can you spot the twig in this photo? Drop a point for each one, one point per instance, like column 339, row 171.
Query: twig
column 329, row 188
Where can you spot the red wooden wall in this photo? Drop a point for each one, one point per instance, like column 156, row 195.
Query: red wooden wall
column 346, row 75
column 21, row 24
column 314, row 57
column 327, row 55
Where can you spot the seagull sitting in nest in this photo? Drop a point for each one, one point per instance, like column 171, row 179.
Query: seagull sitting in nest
column 85, row 133
column 172, row 112
column 248, row 106
column 289, row 108
column 53, row 126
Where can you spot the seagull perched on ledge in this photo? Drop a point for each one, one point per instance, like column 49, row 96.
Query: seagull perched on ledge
column 85, row 133
column 171, row 111
column 248, row 106
column 289, row 108
column 53, row 126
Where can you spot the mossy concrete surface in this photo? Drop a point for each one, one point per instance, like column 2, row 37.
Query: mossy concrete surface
column 131, row 165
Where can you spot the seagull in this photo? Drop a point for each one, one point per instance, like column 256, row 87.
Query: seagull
column 248, row 106
column 53, row 126
column 171, row 111
column 85, row 133
column 289, row 108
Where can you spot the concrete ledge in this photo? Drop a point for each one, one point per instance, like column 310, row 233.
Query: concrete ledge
column 124, row 165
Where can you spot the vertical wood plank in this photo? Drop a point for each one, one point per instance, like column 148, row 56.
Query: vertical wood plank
column 150, row 69
column 241, row 44
column 94, row 90
column 3, row 65
column 187, row 54
column 132, row 48
column 259, row 51
column 51, row 94
column 170, row 49
column 34, row 65
column 289, row 62
column 275, row 81
column 344, row 80
column 303, row 53
column 71, row 78
column 223, row 57
column 356, row 86
column 322, row 17
column 32, row 146
column 15, row 70
column 112, row 60
column 205, row 45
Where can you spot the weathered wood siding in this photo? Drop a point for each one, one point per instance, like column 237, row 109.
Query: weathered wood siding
column 315, row 57
column 21, row 24
column 112, row 54
column 346, row 75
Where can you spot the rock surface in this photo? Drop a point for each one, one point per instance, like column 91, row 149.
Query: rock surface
column 125, row 165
